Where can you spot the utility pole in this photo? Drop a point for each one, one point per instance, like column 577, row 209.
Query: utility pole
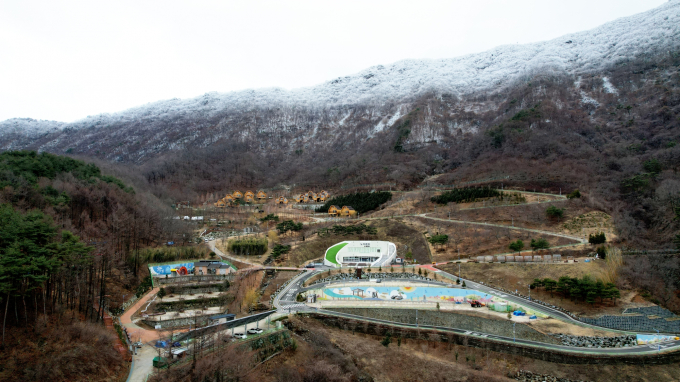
column 513, row 331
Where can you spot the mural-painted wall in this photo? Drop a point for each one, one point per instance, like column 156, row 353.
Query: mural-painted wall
column 646, row 339
column 410, row 294
column 161, row 270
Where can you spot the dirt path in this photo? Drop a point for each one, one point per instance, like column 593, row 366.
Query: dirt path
column 134, row 330
column 142, row 362
column 579, row 239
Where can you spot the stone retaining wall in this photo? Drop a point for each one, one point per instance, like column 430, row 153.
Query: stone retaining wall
column 452, row 320
column 179, row 322
column 373, row 328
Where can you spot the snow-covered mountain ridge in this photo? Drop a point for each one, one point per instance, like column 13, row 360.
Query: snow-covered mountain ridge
column 378, row 92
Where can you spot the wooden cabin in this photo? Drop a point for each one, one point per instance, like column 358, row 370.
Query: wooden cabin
column 281, row 200
column 347, row 211
column 261, row 195
column 249, row 198
column 249, row 193
column 334, row 210
column 285, row 200
column 228, row 199
column 305, row 198
column 237, row 195
column 220, row 204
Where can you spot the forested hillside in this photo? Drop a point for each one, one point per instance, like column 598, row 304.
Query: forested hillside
column 360, row 201
column 596, row 111
column 66, row 231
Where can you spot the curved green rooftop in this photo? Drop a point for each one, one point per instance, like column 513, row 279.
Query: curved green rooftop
column 333, row 251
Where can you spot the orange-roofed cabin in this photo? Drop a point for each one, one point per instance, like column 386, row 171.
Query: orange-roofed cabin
column 334, row 210
column 237, row 195
column 347, row 211
column 220, row 204
column 261, row 195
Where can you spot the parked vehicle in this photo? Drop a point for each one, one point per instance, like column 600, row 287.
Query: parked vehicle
column 476, row 304
column 255, row 331
column 241, row 336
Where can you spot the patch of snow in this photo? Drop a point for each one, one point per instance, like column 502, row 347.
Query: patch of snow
column 585, row 99
column 29, row 127
column 616, row 42
column 608, row 87
column 342, row 121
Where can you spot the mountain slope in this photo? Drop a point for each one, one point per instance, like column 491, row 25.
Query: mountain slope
column 366, row 103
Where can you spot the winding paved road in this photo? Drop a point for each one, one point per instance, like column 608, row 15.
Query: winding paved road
column 285, row 300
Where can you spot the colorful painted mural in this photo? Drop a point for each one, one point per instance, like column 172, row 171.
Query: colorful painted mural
column 166, row 269
column 646, row 339
column 417, row 294
column 430, row 294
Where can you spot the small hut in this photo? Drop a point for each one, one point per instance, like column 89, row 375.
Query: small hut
column 334, row 210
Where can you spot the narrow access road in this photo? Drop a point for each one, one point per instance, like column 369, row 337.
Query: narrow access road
column 142, row 363
column 285, row 301
column 576, row 238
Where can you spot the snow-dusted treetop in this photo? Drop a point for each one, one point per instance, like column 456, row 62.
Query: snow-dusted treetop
column 593, row 50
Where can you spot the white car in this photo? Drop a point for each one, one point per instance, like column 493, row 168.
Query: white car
column 241, row 336
column 255, row 331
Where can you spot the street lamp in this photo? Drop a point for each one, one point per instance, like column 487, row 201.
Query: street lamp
column 658, row 344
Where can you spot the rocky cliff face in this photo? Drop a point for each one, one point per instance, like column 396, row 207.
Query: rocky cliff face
column 452, row 97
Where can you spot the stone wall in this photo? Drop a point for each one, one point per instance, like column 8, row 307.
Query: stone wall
column 452, row 320
column 179, row 322
column 380, row 329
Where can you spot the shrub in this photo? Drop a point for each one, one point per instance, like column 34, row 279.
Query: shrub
column 465, row 195
column 517, row 245
column 574, row 194
column 539, row 244
column 280, row 250
column 554, row 212
column 598, row 238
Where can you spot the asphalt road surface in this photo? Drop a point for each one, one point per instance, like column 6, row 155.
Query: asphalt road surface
column 286, row 301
